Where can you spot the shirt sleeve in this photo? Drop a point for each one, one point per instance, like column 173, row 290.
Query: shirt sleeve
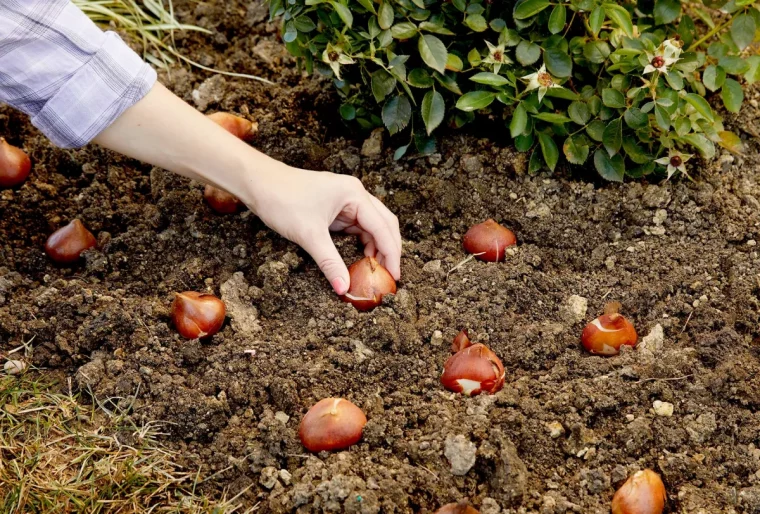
column 69, row 76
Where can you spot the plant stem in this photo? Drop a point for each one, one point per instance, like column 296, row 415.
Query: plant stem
column 710, row 34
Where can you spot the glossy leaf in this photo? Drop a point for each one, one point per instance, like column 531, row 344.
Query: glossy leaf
column 433, row 110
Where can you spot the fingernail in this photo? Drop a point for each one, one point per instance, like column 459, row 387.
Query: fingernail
column 339, row 285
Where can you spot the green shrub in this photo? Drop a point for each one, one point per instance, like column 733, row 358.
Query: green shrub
column 622, row 84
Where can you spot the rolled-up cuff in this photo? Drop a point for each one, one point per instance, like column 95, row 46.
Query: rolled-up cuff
column 112, row 81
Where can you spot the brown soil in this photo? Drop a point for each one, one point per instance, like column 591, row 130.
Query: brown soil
column 679, row 255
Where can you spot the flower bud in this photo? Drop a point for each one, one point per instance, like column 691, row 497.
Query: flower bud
column 488, row 240
column 14, row 165
column 606, row 334
column 331, row 424
column 221, row 201
column 370, row 281
column 67, row 243
column 197, row 315
column 461, row 341
column 473, row 370
column 457, row 508
column 642, row 493
column 235, row 125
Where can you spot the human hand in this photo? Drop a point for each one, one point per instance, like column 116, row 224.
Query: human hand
column 305, row 206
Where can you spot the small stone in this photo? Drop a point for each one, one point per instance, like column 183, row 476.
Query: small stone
column 630, row 249
column 610, row 262
column 513, row 196
column 285, row 476
column 373, row 145
column 555, row 429
column 460, row 453
column 540, row 211
column 432, row 267
column 751, row 242
column 577, row 307
column 489, row 506
column 654, row 340
column 630, row 417
column 664, row 409
column 437, row 338
column 14, row 367
column 471, row 163
column 281, row 417
column 268, row 477
column 660, row 216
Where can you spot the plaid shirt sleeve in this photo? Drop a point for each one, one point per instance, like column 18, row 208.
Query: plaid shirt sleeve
column 70, row 77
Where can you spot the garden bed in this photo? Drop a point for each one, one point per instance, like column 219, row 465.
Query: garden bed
column 681, row 257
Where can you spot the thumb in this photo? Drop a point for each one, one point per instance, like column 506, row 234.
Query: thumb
column 324, row 253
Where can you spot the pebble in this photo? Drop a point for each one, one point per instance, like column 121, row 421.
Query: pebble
column 577, row 307
column 653, row 340
column 460, row 453
column 555, row 429
column 14, row 367
column 268, row 477
column 437, row 338
column 489, row 506
column 281, row 417
column 285, row 476
column 663, row 408
column 373, row 145
column 432, row 266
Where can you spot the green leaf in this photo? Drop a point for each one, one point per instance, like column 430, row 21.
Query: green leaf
column 405, row 30
column 400, row 152
column 385, row 16
column 527, row 53
column 704, row 146
column 613, row 136
column 548, row 150
column 635, row 119
column 552, row 117
column 753, row 74
column 344, row 13
column 557, row 19
column 476, row 22
column 596, row 19
column 347, row 112
column 579, row 112
column 454, row 63
column 475, row 100
column 613, row 98
column 524, row 142
column 558, row 62
column 433, row 110
column 701, row 105
column 743, row 30
column 662, row 117
column 595, row 130
column 433, row 52
column 666, row 11
column 612, row 169
column 304, row 24
column 576, row 149
column 620, row 17
column 367, row 4
column 396, row 113
column 383, row 84
column 419, row 77
column 733, row 64
column 730, row 141
column 449, row 82
column 732, row 95
column 490, row 79
column 535, row 163
column 527, row 8
column 596, row 51
column 713, row 77
column 519, row 121
column 635, row 152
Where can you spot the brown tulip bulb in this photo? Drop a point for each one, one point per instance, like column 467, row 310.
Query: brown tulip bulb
column 488, row 240
column 457, row 508
column 370, row 281
column 197, row 315
column 235, row 125
column 461, row 341
column 642, row 493
column 14, row 165
column 221, row 201
column 332, row 424
column 67, row 243
column 606, row 334
column 473, row 370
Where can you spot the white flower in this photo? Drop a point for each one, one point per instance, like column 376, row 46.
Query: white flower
column 667, row 54
column 496, row 56
column 334, row 56
column 675, row 161
column 540, row 80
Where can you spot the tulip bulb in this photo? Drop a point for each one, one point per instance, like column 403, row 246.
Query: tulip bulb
column 457, row 508
column 66, row 244
column 473, row 370
column 461, row 341
column 331, row 424
column 235, row 125
column 642, row 493
column 488, row 240
column 14, row 165
column 606, row 334
column 221, row 201
column 370, row 281
column 197, row 315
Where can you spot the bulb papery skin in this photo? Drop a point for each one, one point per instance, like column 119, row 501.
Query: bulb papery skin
column 642, row 493
column 370, row 281
column 488, row 241
column 473, row 370
column 457, row 508
column 197, row 315
column 14, row 165
column 331, row 424
column 461, row 341
column 235, row 125
column 606, row 334
column 66, row 244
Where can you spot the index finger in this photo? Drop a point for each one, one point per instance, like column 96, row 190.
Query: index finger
column 388, row 241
